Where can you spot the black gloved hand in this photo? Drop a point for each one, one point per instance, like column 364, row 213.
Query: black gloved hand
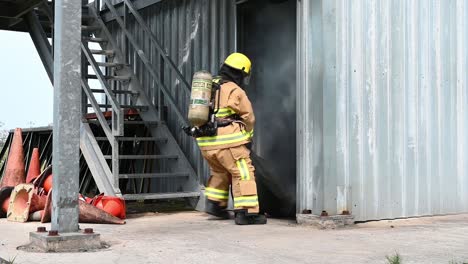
column 249, row 145
column 188, row 130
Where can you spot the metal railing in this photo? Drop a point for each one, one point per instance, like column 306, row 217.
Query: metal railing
column 117, row 111
column 164, row 95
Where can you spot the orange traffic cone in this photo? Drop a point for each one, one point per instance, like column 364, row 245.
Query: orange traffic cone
column 40, row 181
column 14, row 172
column 111, row 204
column 86, row 199
column 4, row 200
column 46, row 216
column 24, row 201
column 48, row 183
column 34, row 166
column 92, row 214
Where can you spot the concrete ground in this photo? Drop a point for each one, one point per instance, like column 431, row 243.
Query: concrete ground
column 189, row 237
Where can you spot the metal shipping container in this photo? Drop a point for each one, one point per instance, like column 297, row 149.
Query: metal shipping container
column 383, row 107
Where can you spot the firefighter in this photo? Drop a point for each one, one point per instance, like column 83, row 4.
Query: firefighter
column 228, row 152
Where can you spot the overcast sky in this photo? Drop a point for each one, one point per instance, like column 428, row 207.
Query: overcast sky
column 26, row 92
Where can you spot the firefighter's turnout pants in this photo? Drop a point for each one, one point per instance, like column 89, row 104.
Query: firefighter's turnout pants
column 232, row 166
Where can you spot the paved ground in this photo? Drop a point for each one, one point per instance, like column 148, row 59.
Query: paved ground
column 190, row 238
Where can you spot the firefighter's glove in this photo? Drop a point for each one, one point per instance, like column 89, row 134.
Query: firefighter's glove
column 190, row 131
column 249, row 145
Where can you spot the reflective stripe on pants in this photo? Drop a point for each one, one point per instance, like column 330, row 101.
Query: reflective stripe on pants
column 244, row 169
column 216, row 193
column 246, row 201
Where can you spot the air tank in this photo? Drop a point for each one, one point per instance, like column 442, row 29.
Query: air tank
column 200, row 98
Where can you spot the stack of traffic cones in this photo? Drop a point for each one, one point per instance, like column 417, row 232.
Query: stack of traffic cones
column 30, row 198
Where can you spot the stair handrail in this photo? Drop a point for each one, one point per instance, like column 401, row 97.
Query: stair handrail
column 158, row 45
column 117, row 112
column 100, row 117
column 148, row 65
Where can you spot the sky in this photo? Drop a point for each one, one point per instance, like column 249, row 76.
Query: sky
column 26, row 94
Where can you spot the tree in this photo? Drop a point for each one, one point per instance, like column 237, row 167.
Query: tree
column 3, row 134
column 3, row 137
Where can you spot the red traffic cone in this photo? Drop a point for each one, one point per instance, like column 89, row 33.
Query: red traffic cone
column 92, row 214
column 114, row 206
column 39, row 182
column 111, row 204
column 4, row 200
column 46, row 216
column 48, row 183
column 34, row 166
column 24, row 201
column 85, row 199
column 14, row 172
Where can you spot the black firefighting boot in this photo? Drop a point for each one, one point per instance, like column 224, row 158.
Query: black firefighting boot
column 213, row 208
column 244, row 218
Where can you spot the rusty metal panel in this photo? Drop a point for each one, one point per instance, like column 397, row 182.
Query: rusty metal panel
column 391, row 138
column 196, row 34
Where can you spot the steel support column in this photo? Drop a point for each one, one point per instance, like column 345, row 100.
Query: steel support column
column 309, row 94
column 67, row 114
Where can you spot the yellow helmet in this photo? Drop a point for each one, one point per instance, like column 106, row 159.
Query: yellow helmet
column 239, row 61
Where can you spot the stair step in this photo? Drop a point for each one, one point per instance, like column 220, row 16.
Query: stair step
column 152, row 175
column 137, row 157
column 103, row 52
column 97, row 40
column 164, row 140
column 130, row 122
column 114, row 78
column 139, row 107
column 115, row 91
column 90, row 28
column 156, row 196
column 141, row 122
column 110, row 64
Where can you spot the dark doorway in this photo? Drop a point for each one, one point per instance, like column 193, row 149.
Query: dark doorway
column 267, row 34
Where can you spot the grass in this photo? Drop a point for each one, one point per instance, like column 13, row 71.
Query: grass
column 394, row 259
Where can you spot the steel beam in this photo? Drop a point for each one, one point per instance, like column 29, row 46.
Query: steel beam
column 67, row 115
column 41, row 42
column 107, row 15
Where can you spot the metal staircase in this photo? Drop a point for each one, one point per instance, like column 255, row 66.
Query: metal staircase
column 124, row 138
column 121, row 91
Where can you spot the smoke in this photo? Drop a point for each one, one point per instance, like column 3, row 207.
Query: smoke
column 268, row 37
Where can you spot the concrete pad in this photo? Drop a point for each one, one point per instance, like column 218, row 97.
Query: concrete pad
column 65, row 242
column 190, row 238
column 325, row 222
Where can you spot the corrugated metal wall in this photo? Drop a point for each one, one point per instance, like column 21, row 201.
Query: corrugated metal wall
column 197, row 34
column 383, row 92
